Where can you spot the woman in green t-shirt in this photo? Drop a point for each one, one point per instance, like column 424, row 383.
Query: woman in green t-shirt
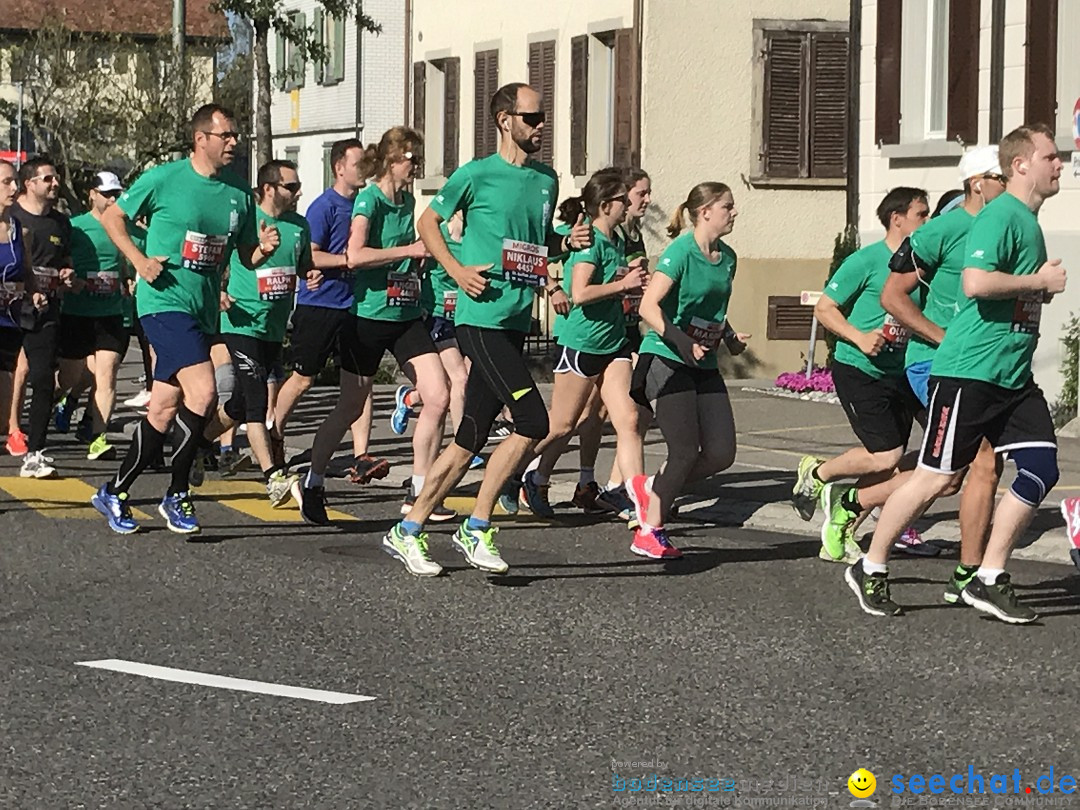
column 677, row 376
column 594, row 353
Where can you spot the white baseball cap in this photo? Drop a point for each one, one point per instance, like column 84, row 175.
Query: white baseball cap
column 979, row 161
column 107, row 181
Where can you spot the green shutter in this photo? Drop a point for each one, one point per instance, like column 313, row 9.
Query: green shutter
column 298, row 58
column 338, row 66
column 320, row 42
column 328, row 170
column 279, row 52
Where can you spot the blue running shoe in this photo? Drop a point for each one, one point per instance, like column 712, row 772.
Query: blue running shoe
column 476, row 463
column 65, row 409
column 115, row 509
column 535, row 496
column 179, row 513
column 399, row 419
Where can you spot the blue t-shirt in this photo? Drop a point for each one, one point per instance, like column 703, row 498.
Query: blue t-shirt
column 330, row 216
column 11, row 278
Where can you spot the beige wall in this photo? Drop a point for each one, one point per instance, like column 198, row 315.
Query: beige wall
column 881, row 169
column 698, row 124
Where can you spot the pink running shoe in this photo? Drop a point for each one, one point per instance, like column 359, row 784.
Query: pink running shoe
column 16, row 444
column 1070, row 510
column 911, row 542
column 639, row 493
column 655, row 545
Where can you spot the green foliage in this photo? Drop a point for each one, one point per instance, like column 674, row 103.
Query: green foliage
column 847, row 242
column 1065, row 409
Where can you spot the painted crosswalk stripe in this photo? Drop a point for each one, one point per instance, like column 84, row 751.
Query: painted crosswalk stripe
column 249, row 497
column 67, row 498
column 223, row 682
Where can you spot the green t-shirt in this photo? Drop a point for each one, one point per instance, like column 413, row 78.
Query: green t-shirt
column 856, row 288
column 390, row 292
column 599, row 327
column 264, row 296
column 508, row 214
column 439, row 292
column 994, row 340
column 940, row 246
column 98, row 262
column 194, row 223
column 698, row 300
column 138, row 236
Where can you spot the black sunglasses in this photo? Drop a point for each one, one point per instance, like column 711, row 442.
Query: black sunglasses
column 532, row 119
column 292, row 188
column 992, row 176
column 113, row 195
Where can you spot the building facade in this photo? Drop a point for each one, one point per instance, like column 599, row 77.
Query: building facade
column 939, row 76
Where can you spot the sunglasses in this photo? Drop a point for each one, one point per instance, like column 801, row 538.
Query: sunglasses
column 532, row 119
column 623, row 198
column 998, row 177
column 292, row 188
column 225, row 136
column 48, row 178
column 112, row 195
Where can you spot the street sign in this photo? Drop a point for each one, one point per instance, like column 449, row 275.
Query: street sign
column 809, row 298
column 1076, row 123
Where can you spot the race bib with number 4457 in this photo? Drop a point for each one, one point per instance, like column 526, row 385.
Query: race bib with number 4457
column 525, row 263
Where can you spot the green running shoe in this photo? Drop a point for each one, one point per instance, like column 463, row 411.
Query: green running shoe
column 961, row 576
column 100, row 449
column 837, row 532
column 478, row 546
column 412, row 551
column 807, row 490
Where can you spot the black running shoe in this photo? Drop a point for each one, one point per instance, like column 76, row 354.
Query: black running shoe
column 998, row 600
column 313, row 505
column 872, row 590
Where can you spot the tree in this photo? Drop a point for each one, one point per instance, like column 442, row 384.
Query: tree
column 265, row 16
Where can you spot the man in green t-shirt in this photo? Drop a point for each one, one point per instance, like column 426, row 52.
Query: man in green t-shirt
column 255, row 313
column 507, row 200
column 197, row 212
column 868, row 372
column 982, row 386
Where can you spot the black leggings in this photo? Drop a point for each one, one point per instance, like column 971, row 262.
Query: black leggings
column 41, row 346
column 498, row 377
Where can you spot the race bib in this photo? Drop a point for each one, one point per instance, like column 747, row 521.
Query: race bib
column 896, row 335
column 403, row 289
column 276, row 283
column 48, row 280
column 449, row 302
column 104, row 282
column 202, row 253
column 631, row 301
column 525, row 263
column 11, row 291
column 707, row 333
column 1027, row 314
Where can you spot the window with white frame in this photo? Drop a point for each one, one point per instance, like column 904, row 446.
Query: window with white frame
column 937, row 75
column 1068, row 70
column 924, row 66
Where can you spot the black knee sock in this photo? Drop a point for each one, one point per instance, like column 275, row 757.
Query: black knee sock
column 146, row 445
column 850, row 501
column 189, row 430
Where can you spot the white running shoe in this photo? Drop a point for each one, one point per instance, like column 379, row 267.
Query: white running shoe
column 140, row 400
column 37, row 465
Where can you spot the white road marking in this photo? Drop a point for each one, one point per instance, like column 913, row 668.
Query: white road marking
column 222, row 682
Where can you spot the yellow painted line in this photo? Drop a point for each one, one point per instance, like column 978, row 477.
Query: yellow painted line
column 249, row 497
column 794, row 429
column 463, row 505
column 67, row 498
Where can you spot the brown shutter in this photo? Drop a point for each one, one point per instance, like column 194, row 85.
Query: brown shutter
column 579, row 104
column 419, row 110
column 963, row 110
column 492, row 140
column 451, row 114
column 828, row 104
column 1040, row 76
column 625, row 87
column 785, row 104
column 485, row 138
column 542, row 79
column 887, row 85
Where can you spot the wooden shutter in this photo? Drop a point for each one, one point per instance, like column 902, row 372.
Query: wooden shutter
column 962, row 120
column 785, row 104
column 419, row 96
column 296, row 64
column 451, row 114
column 337, row 64
column 1040, row 74
column 828, row 80
column 486, row 76
column 887, row 84
column 579, row 104
column 622, row 147
column 320, row 40
column 542, row 79
column 789, row 319
column 997, row 69
column 492, row 139
column 279, row 54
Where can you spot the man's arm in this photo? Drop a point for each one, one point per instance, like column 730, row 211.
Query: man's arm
column 896, row 300
column 994, row 284
column 829, row 315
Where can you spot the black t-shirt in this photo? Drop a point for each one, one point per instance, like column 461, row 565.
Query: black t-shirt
column 50, row 237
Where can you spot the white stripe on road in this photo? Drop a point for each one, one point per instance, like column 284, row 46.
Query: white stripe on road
column 222, row 682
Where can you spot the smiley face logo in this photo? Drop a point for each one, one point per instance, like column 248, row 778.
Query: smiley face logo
column 862, row 784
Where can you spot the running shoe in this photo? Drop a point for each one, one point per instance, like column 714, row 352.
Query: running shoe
column 231, row 462
column 585, row 496
column 280, row 486
column 179, row 514
column 960, row 579
column 1070, row 510
column 37, row 465
column 500, row 430
column 654, row 544
column 638, row 490
column 399, row 419
column 412, row 551
column 872, row 591
column 616, row 501
column 998, row 600
column 440, row 514
column 16, row 444
column 478, row 546
column 365, row 468
column 508, row 498
column 476, row 463
column 838, row 530
column 807, row 491
column 115, row 509
column 534, row 496
column 140, row 400
column 100, row 449
column 911, row 542
column 313, row 505
column 63, row 412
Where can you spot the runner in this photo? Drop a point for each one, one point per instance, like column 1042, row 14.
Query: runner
column 323, row 311
column 868, row 371
column 197, row 213
column 256, row 308
column 678, row 376
column 930, row 264
column 982, row 385
column 594, row 353
column 386, row 316
column 92, row 319
column 507, row 200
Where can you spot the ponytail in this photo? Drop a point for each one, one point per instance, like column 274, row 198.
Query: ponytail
column 701, row 196
column 676, row 224
column 570, row 209
column 605, row 184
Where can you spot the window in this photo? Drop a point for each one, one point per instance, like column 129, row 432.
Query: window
column 290, row 62
column 603, row 101
column 937, row 76
column 801, row 87
column 542, row 78
column 1068, row 71
column 330, row 34
column 486, row 76
column 327, row 167
column 436, row 94
column 292, row 154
